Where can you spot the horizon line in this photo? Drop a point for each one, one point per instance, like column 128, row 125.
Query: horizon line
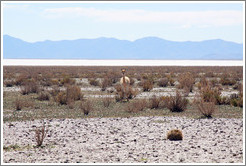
column 121, row 39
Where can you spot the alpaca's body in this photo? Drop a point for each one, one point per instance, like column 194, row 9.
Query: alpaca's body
column 126, row 81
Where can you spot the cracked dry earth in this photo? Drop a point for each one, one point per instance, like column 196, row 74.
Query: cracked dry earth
column 126, row 140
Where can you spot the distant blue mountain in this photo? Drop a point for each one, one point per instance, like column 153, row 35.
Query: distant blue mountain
column 111, row 48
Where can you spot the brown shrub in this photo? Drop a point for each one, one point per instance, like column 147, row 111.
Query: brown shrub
column 208, row 94
column 29, row 87
column 147, row 85
column 186, row 81
column 67, row 80
column 94, row 82
column 176, row 103
column 86, row 107
column 132, row 81
column 40, row 134
column 106, row 83
column 136, row 106
column 9, row 83
column 21, row 103
column 107, row 101
column 74, row 93
column 206, row 108
column 61, row 98
column 154, row 102
column 124, row 93
column 163, row 82
column 43, row 96
column 175, row 135
column 225, row 80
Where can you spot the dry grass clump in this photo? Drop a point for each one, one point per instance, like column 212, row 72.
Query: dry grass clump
column 42, row 96
column 106, row 83
column 21, row 103
column 107, row 101
column 66, row 80
column 226, row 80
column 9, row 83
column 207, row 93
column 206, row 100
column 163, row 82
column 136, row 106
column 30, row 87
column 86, row 107
column 40, row 134
column 186, row 81
column 147, row 85
column 125, row 93
column 154, row 102
column 175, row 135
column 68, row 97
column 94, row 82
column 176, row 103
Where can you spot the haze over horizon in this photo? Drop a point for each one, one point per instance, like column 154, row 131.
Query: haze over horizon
column 182, row 21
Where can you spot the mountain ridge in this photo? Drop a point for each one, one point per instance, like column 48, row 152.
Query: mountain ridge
column 111, row 48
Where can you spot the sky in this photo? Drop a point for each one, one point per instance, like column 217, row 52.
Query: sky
column 177, row 21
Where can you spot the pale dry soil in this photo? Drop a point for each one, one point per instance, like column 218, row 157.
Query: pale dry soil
column 126, row 140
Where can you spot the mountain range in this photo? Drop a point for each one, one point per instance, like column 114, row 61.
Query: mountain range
column 111, row 48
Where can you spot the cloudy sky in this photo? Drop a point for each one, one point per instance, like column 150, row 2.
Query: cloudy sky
column 127, row 21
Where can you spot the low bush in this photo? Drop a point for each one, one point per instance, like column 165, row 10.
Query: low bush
column 163, row 82
column 29, row 87
column 61, row 98
column 154, row 102
column 124, row 93
column 86, row 107
column 42, row 96
column 9, row 83
column 175, row 135
column 74, row 93
column 206, row 108
column 136, row 106
column 225, row 80
column 186, row 81
column 147, row 85
column 94, row 82
column 107, row 101
column 176, row 103
column 21, row 103
column 106, row 83
column 208, row 94
column 40, row 134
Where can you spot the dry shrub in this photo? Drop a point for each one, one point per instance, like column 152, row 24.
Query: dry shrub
column 86, row 107
column 176, row 103
column 21, row 103
column 107, row 101
column 147, row 85
column 66, row 80
column 55, row 90
column 208, row 94
column 42, row 96
column 186, row 81
column 94, row 82
column 163, row 82
column 175, row 135
column 226, row 80
column 106, row 83
column 132, row 81
column 40, row 134
column 9, row 83
column 206, row 108
column 20, row 80
column 154, row 102
column 124, row 93
column 29, row 87
column 61, row 98
column 74, row 93
column 136, row 106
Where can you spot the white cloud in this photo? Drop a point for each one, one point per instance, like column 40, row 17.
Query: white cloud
column 184, row 19
column 14, row 6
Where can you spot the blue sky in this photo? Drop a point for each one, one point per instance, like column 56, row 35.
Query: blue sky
column 127, row 21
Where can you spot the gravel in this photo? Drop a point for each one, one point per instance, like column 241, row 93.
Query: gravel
column 126, row 140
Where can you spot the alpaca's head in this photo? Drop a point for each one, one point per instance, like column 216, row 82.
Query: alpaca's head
column 123, row 70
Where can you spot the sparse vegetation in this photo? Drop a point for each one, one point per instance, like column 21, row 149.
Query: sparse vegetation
column 40, row 134
column 176, row 103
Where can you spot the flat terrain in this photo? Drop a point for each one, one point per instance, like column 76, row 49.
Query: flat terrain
column 126, row 140
column 115, row 130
